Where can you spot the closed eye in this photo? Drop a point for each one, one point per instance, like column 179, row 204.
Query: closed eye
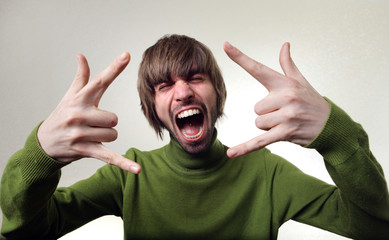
column 163, row 86
column 196, row 77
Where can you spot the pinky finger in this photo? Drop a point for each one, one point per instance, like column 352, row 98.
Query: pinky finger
column 82, row 75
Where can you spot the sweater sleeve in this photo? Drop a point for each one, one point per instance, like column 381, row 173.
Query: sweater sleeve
column 33, row 207
column 345, row 147
column 358, row 206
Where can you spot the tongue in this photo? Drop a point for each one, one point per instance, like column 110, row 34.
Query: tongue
column 192, row 126
column 191, row 129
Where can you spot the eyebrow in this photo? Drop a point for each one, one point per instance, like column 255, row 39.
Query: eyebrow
column 181, row 71
column 195, row 69
column 167, row 80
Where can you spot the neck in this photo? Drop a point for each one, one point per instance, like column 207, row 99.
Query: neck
column 205, row 161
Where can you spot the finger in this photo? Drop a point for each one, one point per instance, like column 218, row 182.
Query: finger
column 82, row 75
column 269, row 78
column 270, row 103
column 100, row 118
column 101, row 152
column 288, row 66
column 95, row 134
column 93, row 92
column 268, row 121
column 259, row 142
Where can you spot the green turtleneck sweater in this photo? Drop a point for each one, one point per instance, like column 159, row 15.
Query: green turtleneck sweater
column 183, row 196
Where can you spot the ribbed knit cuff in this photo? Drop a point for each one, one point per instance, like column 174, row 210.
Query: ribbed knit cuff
column 35, row 164
column 338, row 139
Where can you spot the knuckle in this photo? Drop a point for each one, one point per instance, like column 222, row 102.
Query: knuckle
column 257, row 68
column 290, row 114
column 258, row 142
column 291, row 97
column 81, row 149
column 81, row 75
column 290, row 132
column 74, row 118
column 100, row 82
column 108, row 158
column 255, row 145
column 293, row 83
column 244, row 149
column 75, row 135
column 115, row 68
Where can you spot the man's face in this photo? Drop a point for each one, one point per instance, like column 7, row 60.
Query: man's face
column 187, row 108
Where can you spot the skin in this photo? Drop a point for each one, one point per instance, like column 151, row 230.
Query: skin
column 183, row 93
column 293, row 111
column 77, row 127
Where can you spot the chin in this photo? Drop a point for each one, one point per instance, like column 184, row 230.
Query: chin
column 197, row 147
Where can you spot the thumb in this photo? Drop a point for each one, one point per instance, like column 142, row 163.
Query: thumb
column 110, row 157
column 231, row 51
column 259, row 142
column 288, row 66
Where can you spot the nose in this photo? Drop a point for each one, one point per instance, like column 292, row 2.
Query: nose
column 183, row 91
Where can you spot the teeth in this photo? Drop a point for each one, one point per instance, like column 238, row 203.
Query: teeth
column 188, row 113
column 192, row 137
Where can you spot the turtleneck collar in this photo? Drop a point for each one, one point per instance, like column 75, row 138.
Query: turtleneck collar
column 193, row 164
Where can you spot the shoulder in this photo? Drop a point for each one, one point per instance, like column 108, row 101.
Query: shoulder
column 259, row 160
column 262, row 156
column 265, row 160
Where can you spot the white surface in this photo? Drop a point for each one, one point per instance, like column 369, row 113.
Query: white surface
column 341, row 47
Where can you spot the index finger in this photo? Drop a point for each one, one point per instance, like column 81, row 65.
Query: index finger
column 95, row 89
column 269, row 78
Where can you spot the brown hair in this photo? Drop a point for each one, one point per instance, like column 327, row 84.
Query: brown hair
column 177, row 55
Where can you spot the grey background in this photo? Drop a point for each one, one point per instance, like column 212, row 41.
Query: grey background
column 342, row 48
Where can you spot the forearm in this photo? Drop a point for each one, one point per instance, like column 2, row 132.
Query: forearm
column 33, row 207
column 359, row 177
column 27, row 184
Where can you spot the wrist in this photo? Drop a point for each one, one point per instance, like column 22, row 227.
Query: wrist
column 338, row 139
column 37, row 164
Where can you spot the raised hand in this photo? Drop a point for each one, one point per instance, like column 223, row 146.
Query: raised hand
column 77, row 127
column 293, row 111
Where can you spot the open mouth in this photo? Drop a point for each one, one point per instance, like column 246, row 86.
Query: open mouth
column 191, row 124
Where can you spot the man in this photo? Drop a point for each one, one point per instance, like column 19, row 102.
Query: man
column 195, row 187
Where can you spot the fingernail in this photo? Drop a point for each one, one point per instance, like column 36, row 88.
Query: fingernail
column 78, row 57
column 124, row 56
column 229, row 46
column 134, row 169
column 231, row 152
